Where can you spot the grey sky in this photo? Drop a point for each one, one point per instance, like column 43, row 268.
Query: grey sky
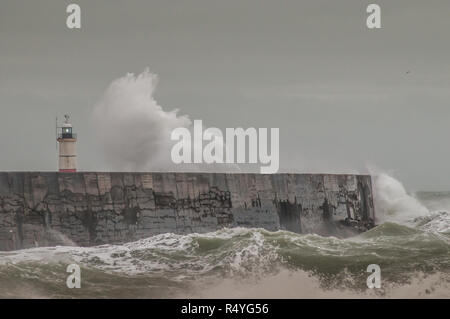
column 339, row 92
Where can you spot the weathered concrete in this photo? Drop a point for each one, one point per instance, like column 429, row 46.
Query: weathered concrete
column 46, row 209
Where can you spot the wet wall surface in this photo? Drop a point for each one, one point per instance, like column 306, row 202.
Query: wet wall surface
column 89, row 208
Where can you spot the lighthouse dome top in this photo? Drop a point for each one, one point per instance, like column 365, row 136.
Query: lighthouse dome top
column 66, row 122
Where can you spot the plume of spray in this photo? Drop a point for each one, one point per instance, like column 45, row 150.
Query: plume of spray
column 133, row 130
column 392, row 201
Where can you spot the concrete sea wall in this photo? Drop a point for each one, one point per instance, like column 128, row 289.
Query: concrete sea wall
column 51, row 208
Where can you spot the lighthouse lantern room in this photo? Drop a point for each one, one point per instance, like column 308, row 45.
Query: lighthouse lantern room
column 67, row 147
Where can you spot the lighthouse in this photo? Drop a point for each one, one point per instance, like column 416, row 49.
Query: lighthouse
column 67, row 141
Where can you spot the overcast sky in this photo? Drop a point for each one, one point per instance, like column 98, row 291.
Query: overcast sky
column 343, row 96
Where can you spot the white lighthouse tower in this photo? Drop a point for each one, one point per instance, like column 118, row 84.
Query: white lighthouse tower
column 67, row 140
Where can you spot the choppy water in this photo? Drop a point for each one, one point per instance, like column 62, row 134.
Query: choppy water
column 414, row 257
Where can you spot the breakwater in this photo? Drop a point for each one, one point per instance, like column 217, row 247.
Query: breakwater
column 93, row 208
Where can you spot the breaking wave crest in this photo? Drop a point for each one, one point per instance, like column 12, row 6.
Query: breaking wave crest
column 181, row 265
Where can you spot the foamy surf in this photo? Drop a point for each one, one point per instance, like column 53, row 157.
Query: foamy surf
column 171, row 265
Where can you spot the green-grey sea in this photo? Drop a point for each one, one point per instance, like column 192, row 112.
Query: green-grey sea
column 414, row 259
